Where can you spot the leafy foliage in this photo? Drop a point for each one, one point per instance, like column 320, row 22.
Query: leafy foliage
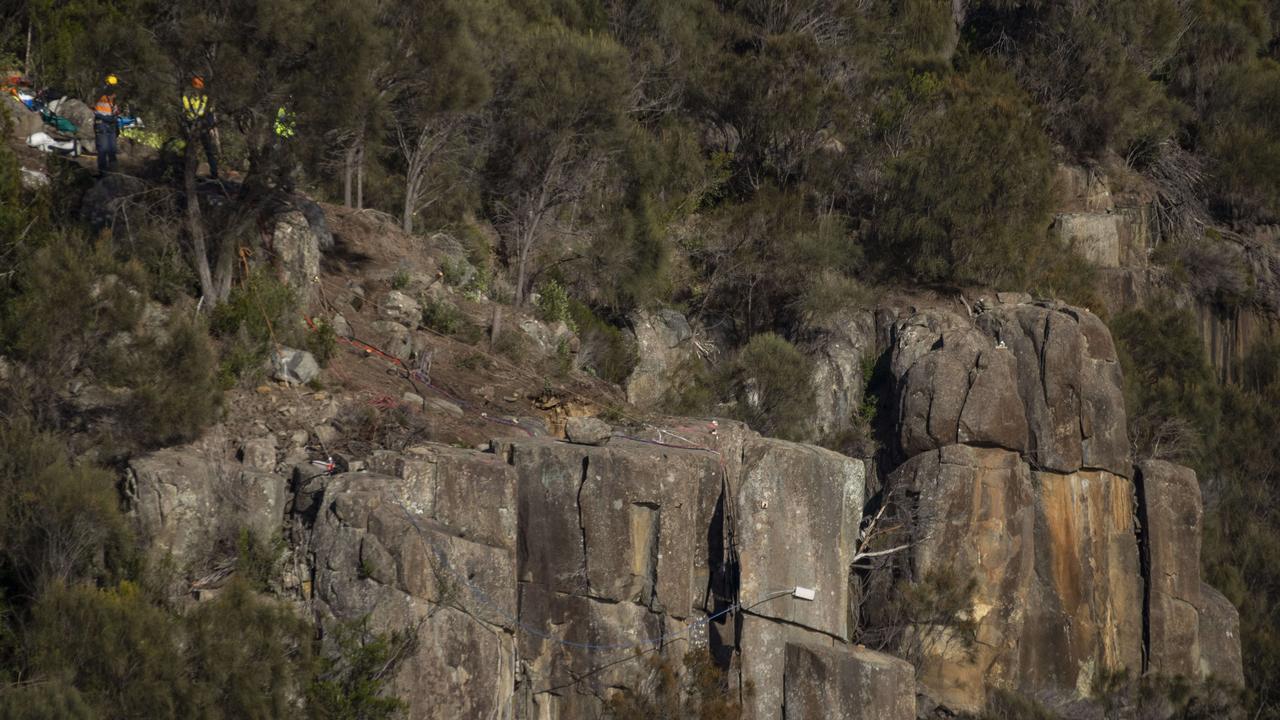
column 351, row 684
column 772, row 386
column 970, row 200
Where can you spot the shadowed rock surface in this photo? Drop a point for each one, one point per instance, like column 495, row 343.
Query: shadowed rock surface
column 545, row 579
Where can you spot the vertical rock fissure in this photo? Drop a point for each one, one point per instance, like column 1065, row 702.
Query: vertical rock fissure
column 722, row 585
column 652, row 574
column 582, row 526
column 1140, row 528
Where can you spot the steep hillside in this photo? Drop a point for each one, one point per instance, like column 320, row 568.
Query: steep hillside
column 623, row 359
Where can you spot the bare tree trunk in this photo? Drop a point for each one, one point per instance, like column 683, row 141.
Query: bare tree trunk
column 406, row 216
column 360, row 176
column 348, row 168
column 225, row 270
column 26, row 61
column 495, row 326
column 420, row 149
column 195, row 227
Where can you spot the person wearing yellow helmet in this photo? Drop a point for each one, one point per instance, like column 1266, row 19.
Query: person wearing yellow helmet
column 106, row 124
column 198, row 121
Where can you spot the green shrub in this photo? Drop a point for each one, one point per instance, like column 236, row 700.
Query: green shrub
column 256, row 307
column 258, row 559
column 255, row 317
column 322, row 342
column 176, row 388
column 1244, row 142
column 247, row 656
column 694, row 388
column 554, row 304
column 442, row 316
column 400, row 280
column 59, row 521
column 696, row 688
column 1170, row 390
column 831, row 295
column 1008, row 705
column 770, row 380
column 354, row 677
column 605, row 350
column 130, row 665
column 455, row 271
column 913, row 618
column 969, row 199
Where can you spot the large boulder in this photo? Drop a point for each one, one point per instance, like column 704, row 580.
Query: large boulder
column 1085, row 614
column 393, row 339
column 400, row 308
column 380, row 555
column 293, row 367
column 798, row 511
column 839, row 355
column 1171, row 512
column 80, row 114
column 955, row 385
column 963, row 381
column 295, row 248
column 578, row 651
column 664, row 342
column 471, row 493
column 23, row 121
column 587, row 430
column 1219, row 637
column 188, row 500
column 620, row 523
column 1070, row 382
column 976, row 518
column 848, row 683
column 762, row 662
column 1058, row 594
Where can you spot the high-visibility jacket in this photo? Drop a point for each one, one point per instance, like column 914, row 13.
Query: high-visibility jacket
column 194, row 106
column 286, row 123
column 106, row 106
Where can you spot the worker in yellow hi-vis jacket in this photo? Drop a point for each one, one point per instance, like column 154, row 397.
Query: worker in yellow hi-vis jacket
column 198, row 120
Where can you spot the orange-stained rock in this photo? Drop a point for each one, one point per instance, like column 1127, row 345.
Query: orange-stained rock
column 1058, row 594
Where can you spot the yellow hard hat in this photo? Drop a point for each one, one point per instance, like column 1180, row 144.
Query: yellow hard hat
column 113, row 80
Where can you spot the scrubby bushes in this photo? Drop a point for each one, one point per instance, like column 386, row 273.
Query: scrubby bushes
column 770, row 381
column 81, row 635
column 1178, row 409
column 969, row 201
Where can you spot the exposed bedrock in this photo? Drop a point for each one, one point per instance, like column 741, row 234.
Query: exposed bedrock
column 1012, row 430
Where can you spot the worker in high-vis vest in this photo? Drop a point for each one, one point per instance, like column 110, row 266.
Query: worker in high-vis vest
column 106, row 124
column 198, row 120
column 286, row 123
column 286, row 126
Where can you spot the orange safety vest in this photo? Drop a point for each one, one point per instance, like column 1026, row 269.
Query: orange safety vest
column 106, row 105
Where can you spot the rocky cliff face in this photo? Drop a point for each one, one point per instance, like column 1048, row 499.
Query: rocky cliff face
column 547, row 579
column 1012, row 426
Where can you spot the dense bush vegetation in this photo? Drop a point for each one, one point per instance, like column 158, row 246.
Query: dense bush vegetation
column 723, row 155
column 97, row 369
column 760, row 163
column 1179, row 410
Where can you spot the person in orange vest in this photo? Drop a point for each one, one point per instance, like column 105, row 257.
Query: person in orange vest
column 106, row 124
column 199, row 121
